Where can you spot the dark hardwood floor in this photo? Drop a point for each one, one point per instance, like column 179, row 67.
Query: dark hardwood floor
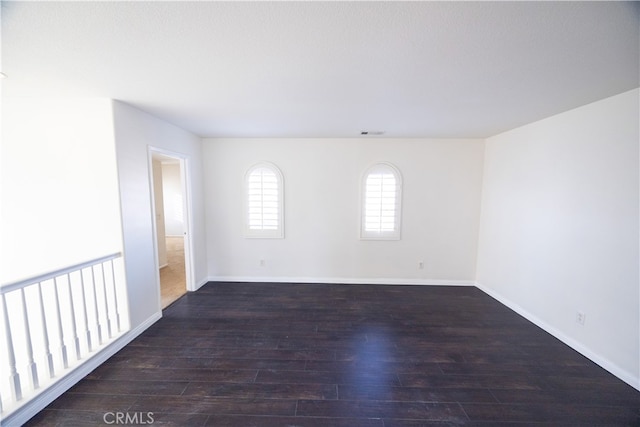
column 239, row 354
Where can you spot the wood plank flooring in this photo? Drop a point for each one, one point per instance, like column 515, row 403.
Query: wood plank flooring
column 240, row 354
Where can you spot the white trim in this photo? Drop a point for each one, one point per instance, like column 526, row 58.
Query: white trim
column 202, row 283
column 603, row 362
column 343, row 280
column 185, row 166
column 68, row 380
column 9, row 287
column 154, row 228
column 187, row 208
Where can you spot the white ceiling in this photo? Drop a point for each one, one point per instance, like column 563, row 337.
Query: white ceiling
column 327, row 69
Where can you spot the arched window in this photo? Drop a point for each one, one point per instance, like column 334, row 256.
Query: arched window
column 264, row 201
column 381, row 203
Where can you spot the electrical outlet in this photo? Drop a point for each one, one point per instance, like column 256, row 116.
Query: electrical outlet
column 421, row 265
column 262, row 263
column 580, row 318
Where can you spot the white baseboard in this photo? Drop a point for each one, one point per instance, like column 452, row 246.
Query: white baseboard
column 603, row 362
column 202, row 283
column 342, row 280
column 24, row 413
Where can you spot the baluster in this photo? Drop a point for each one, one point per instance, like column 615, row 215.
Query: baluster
column 115, row 295
column 95, row 306
column 14, row 377
column 84, row 313
column 74, row 330
column 23, row 343
column 31, row 366
column 45, row 333
column 63, row 347
column 106, row 303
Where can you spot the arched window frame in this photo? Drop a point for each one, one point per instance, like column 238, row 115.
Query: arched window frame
column 379, row 234
column 249, row 230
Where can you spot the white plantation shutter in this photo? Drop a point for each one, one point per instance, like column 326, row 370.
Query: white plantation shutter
column 264, row 201
column 381, row 203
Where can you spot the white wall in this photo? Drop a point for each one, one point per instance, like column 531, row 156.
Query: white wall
column 60, row 207
column 172, row 200
column 59, row 185
column 559, row 228
column 441, row 196
column 134, row 132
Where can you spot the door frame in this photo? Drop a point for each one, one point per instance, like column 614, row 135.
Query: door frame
column 184, row 161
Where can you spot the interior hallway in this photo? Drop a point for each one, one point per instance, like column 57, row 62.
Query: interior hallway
column 173, row 283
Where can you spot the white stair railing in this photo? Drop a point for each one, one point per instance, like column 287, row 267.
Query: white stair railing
column 52, row 323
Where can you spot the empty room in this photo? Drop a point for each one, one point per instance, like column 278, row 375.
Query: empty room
column 380, row 213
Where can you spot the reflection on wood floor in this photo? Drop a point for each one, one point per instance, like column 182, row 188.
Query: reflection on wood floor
column 173, row 282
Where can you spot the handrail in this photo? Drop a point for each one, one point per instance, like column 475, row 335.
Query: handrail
column 53, row 322
column 47, row 276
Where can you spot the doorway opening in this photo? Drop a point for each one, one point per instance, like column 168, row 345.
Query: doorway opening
column 171, row 225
